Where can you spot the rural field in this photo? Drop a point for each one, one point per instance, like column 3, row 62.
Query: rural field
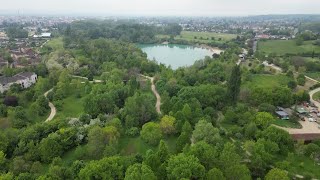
column 281, row 47
column 202, row 37
column 267, row 81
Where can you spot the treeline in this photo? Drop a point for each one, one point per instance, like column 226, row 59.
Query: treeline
column 16, row 32
column 128, row 32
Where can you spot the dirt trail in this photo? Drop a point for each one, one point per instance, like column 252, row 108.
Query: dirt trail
column 155, row 92
column 52, row 107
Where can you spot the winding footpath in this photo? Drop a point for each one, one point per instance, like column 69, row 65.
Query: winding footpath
column 155, row 92
column 85, row 78
column 52, row 107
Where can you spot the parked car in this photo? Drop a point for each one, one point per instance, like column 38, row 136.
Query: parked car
column 311, row 119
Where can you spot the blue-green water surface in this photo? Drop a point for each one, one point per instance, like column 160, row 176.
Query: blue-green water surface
column 175, row 55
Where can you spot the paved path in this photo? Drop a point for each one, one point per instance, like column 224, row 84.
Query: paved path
column 52, row 107
column 272, row 66
column 155, row 92
column 95, row 80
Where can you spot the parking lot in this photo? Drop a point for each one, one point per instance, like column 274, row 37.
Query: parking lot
column 309, row 119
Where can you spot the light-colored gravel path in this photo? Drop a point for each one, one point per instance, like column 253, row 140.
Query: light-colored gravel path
column 52, row 107
column 155, row 92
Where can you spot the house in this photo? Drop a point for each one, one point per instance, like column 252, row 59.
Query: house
column 24, row 79
column 282, row 115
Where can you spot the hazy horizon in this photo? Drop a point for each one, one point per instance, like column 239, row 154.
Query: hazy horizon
column 159, row 8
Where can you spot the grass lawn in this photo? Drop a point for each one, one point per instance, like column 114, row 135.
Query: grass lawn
column 133, row 145
column 316, row 96
column 202, row 37
column 281, row 47
column 314, row 75
column 72, row 107
column 267, row 81
column 288, row 124
column 301, row 164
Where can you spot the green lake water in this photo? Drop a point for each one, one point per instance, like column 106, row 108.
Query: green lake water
column 174, row 55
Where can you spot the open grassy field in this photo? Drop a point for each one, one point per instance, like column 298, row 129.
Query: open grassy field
column 314, row 75
column 202, row 37
column 267, row 81
column 281, row 47
column 303, row 165
column 72, row 107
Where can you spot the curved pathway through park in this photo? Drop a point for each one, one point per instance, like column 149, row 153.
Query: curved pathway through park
column 52, row 107
column 155, row 92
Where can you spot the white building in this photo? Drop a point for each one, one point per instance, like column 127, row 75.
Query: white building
column 43, row 35
column 24, row 79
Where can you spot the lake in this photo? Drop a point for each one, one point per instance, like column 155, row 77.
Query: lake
column 175, row 55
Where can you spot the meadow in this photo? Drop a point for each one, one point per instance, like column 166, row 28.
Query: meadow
column 267, row 81
column 282, row 47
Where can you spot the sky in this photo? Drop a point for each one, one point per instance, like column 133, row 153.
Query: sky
column 161, row 7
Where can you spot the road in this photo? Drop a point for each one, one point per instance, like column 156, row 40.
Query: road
column 155, row 92
column 272, row 66
column 52, row 108
column 307, row 127
column 85, row 78
column 254, row 47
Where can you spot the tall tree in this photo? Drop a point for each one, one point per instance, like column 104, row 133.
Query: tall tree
column 277, row 174
column 234, row 84
column 139, row 172
column 184, row 166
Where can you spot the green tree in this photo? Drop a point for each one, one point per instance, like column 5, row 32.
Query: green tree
column 151, row 133
column 184, row 137
column 98, row 138
column 250, row 130
column 139, row 172
column 204, row 131
column 292, row 84
column 163, row 151
column 20, row 118
column 184, row 166
column 233, row 85
column 277, row 174
column 140, row 108
column 3, row 110
column 301, row 79
column 50, row 148
column 167, row 125
column 43, row 105
column 206, row 154
column 263, row 120
column 279, row 136
column 106, row 168
column 215, row 174
column 3, row 161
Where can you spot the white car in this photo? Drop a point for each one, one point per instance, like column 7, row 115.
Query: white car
column 311, row 120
